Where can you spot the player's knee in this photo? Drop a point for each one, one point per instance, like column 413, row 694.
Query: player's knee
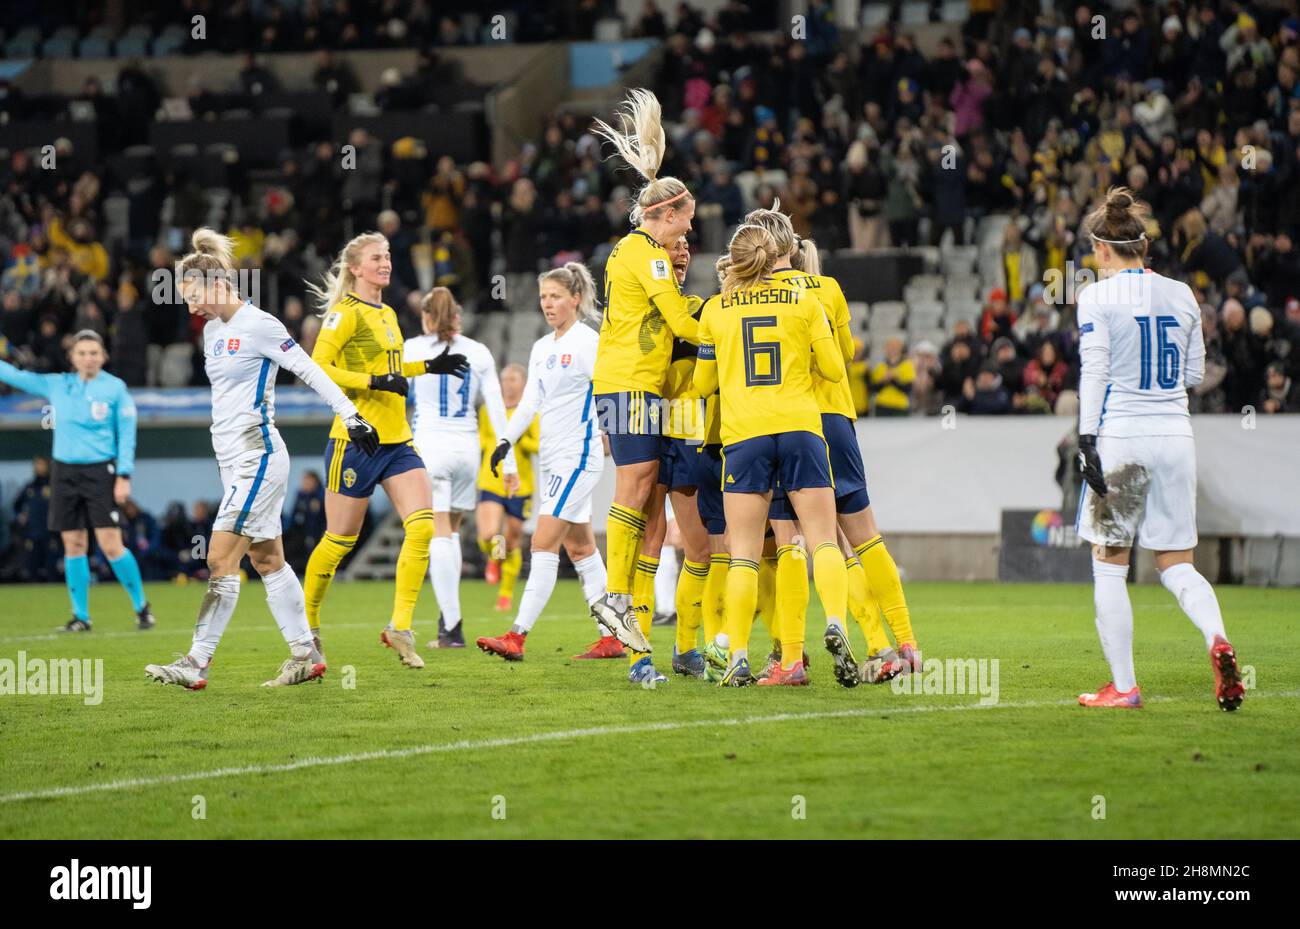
column 267, row 563
column 419, row 528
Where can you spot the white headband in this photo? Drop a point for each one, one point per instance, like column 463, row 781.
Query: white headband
column 1141, row 238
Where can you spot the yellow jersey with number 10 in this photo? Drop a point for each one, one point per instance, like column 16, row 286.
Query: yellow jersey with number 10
column 758, row 346
column 644, row 311
column 358, row 339
column 832, row 396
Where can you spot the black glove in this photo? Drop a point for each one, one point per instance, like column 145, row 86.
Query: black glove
column 393, row 383
column 362, row 434
column 498, row 455
column 1090, row 464
column 456, row 365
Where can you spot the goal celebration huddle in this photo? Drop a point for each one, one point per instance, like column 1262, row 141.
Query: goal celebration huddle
column 732, row 415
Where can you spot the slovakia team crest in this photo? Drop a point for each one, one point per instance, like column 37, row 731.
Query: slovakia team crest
column 550, row 362
column 566, row 360
column 232, row 346
column 218, row 347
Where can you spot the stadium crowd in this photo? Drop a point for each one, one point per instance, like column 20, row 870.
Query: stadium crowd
column 1199, row 112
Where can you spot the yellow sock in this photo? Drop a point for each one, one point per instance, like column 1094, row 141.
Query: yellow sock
column 643, row 599
column 510, row 573
column 791, row 601
column 864, row 608
column 412, row 566
column 623, row 534
column 485, row 546
column 690, row 597
column 742, row 597
column 322, row 564
column 713, row 604
column 887, row 587
column 831, row 580
column 766, row 604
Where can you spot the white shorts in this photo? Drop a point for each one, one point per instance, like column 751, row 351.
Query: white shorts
column 566, row 494
column 256, row 484
column 453, row 473
column 1151, row 494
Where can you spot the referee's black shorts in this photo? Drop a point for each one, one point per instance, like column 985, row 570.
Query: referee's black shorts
column 81, row 496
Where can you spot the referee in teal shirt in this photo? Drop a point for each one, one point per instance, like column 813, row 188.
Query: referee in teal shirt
column 94, row 455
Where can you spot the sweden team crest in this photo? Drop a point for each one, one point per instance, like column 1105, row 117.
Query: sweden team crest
column 349, row 478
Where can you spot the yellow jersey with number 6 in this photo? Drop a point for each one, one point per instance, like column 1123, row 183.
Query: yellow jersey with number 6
column 763, row 342
column 644, row 311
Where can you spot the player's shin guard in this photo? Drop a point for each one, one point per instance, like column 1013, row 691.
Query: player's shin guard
column 765, row 606
column 127, row 571
column 643, row 599
column 886, row 587
column 284, row 597
column 713, row 604
column 1114, row 621
column 543, row 569
column 412, row 562
column 591, row 575
column 623, row 534
column 214, row 615
column 741, row 599
column 1197, row 599
column 444, row 574
column 831, row 580
column 864, row 608
column 322, row 564
column 690, row 596
column 514, row 560
column 791, row 601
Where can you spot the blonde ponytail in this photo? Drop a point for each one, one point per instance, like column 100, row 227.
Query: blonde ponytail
column 640, row 140
column 440, row 309
column 753, row 251
column 338, row 280
column 577, row 280
column 806, row 257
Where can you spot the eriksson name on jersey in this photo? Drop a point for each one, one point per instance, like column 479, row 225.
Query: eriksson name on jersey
column 760, row 297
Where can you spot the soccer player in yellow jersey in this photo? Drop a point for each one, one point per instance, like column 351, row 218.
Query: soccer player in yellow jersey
column 644, row 311
column 875, row 586
column 760, row 341
column 504, row 499
column 360, row 348
column 683, row 429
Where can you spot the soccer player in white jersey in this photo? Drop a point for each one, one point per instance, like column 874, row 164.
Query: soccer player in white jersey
column 445, row 428
column 1141, row 347
column 243, row 347
column 571, row 453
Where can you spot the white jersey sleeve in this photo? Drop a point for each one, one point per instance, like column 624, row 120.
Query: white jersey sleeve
column 483, row 369
column 1094, row 359
column 274, row 342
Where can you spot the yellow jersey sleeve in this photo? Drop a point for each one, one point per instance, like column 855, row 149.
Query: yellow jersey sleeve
column 644, row 311
column 358, row 339
column 832, row 396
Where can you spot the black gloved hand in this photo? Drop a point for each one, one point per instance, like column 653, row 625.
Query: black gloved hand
column 498, row 455
column 361, row 434
column 393, row 383
column 457, row 365
column 1090, row 464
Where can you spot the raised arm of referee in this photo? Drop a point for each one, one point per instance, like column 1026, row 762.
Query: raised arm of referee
column 94, row 454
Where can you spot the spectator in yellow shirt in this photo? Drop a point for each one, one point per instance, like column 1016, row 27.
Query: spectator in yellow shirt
column 891, row 381
column 86, row 255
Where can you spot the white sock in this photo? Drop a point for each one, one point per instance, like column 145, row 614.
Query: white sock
column 591, row 573
column 444, row 572
column 542, row 572
column 1114, row 621
column 284, row 597
column 1195, row 595
column 666, row 578
column 214, row 615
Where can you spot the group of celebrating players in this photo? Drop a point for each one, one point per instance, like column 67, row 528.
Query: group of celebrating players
column 734, row 410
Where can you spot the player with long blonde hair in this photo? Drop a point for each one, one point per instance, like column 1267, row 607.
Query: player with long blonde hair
column 644, row 311
column 360, row 348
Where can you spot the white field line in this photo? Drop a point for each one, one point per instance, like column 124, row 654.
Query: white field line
column 51, row 793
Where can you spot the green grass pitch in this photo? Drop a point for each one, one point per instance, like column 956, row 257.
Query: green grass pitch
column 473, row 747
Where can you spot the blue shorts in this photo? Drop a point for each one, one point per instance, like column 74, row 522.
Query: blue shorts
column 631, row 419
column 708, row 493
column 785, row 461
column 677, row 466
column 846, row 464
column 352, row 473
column 516, row 507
